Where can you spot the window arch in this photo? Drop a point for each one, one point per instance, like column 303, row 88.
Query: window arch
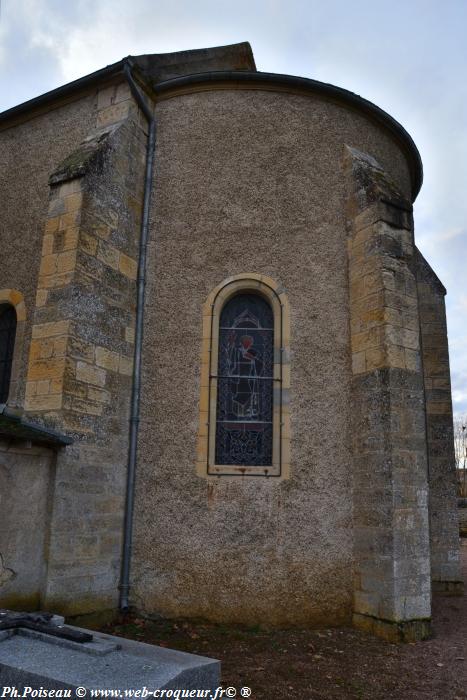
column 244, row 407
column 7, row 346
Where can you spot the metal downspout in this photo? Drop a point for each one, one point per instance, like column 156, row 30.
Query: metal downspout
column 124, row 585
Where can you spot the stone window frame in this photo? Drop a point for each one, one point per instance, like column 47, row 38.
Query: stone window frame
column 219, row 296
column 14, row 298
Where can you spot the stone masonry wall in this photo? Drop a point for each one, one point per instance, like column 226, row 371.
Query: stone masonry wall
column 392, row 594
column 26, row 483
column 444, row 528
column 80, row 362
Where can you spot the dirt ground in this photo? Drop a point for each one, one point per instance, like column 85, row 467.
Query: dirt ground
column 331, row 664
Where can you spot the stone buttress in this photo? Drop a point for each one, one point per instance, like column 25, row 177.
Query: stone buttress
column 392, row 587
column 444, row 526
column 81, row 355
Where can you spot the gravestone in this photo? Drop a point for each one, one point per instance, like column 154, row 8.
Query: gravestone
column 37, row 650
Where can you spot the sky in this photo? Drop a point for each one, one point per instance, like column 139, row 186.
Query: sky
column 407, row 56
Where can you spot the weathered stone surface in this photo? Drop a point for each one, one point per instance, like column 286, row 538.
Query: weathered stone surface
column 26, row 475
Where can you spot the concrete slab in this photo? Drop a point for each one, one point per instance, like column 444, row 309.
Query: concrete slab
column 36, row 660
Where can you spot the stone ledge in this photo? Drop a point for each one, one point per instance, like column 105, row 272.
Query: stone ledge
column 87, row 155
column 392, row 631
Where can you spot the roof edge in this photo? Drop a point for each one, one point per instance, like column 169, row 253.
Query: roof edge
column 64, row 90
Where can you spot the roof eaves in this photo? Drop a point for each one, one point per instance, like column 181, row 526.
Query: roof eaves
column 13, row 425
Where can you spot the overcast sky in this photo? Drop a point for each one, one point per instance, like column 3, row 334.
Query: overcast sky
column 409, row 57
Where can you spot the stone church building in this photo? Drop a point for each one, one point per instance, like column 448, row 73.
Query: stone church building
column 224, row 373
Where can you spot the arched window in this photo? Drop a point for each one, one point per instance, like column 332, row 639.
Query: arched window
column 7, row 345
column 245, row 379
column 244, row 419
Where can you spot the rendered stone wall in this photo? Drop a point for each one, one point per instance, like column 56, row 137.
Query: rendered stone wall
column 444, row 529
column 29, row 151
column 26, row 482
column 250, row 182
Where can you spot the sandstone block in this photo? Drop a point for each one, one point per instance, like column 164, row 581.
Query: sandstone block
column 125, row 365
column 70, row 219
column 128, row 266
column 130, row 334
column 46, row 369
column 73, row 201
column 113, row 113
column 52, row 224
column 70, row 187
column 50, row 402
column 89, row 407
column 88, row 243
column 47, row 244
column 108, row 255
column 107, row 359
column 90, row 374
column 48, row 265
column 66, row 262
column 99, row 395
column 43, row 386
column 46, row 330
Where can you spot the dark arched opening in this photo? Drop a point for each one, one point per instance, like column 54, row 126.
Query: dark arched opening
column 7, row 345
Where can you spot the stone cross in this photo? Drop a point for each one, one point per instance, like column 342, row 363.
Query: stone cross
column 44, row 622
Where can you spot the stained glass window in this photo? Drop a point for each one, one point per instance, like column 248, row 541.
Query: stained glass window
column 7, row 343
column 244, row 415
